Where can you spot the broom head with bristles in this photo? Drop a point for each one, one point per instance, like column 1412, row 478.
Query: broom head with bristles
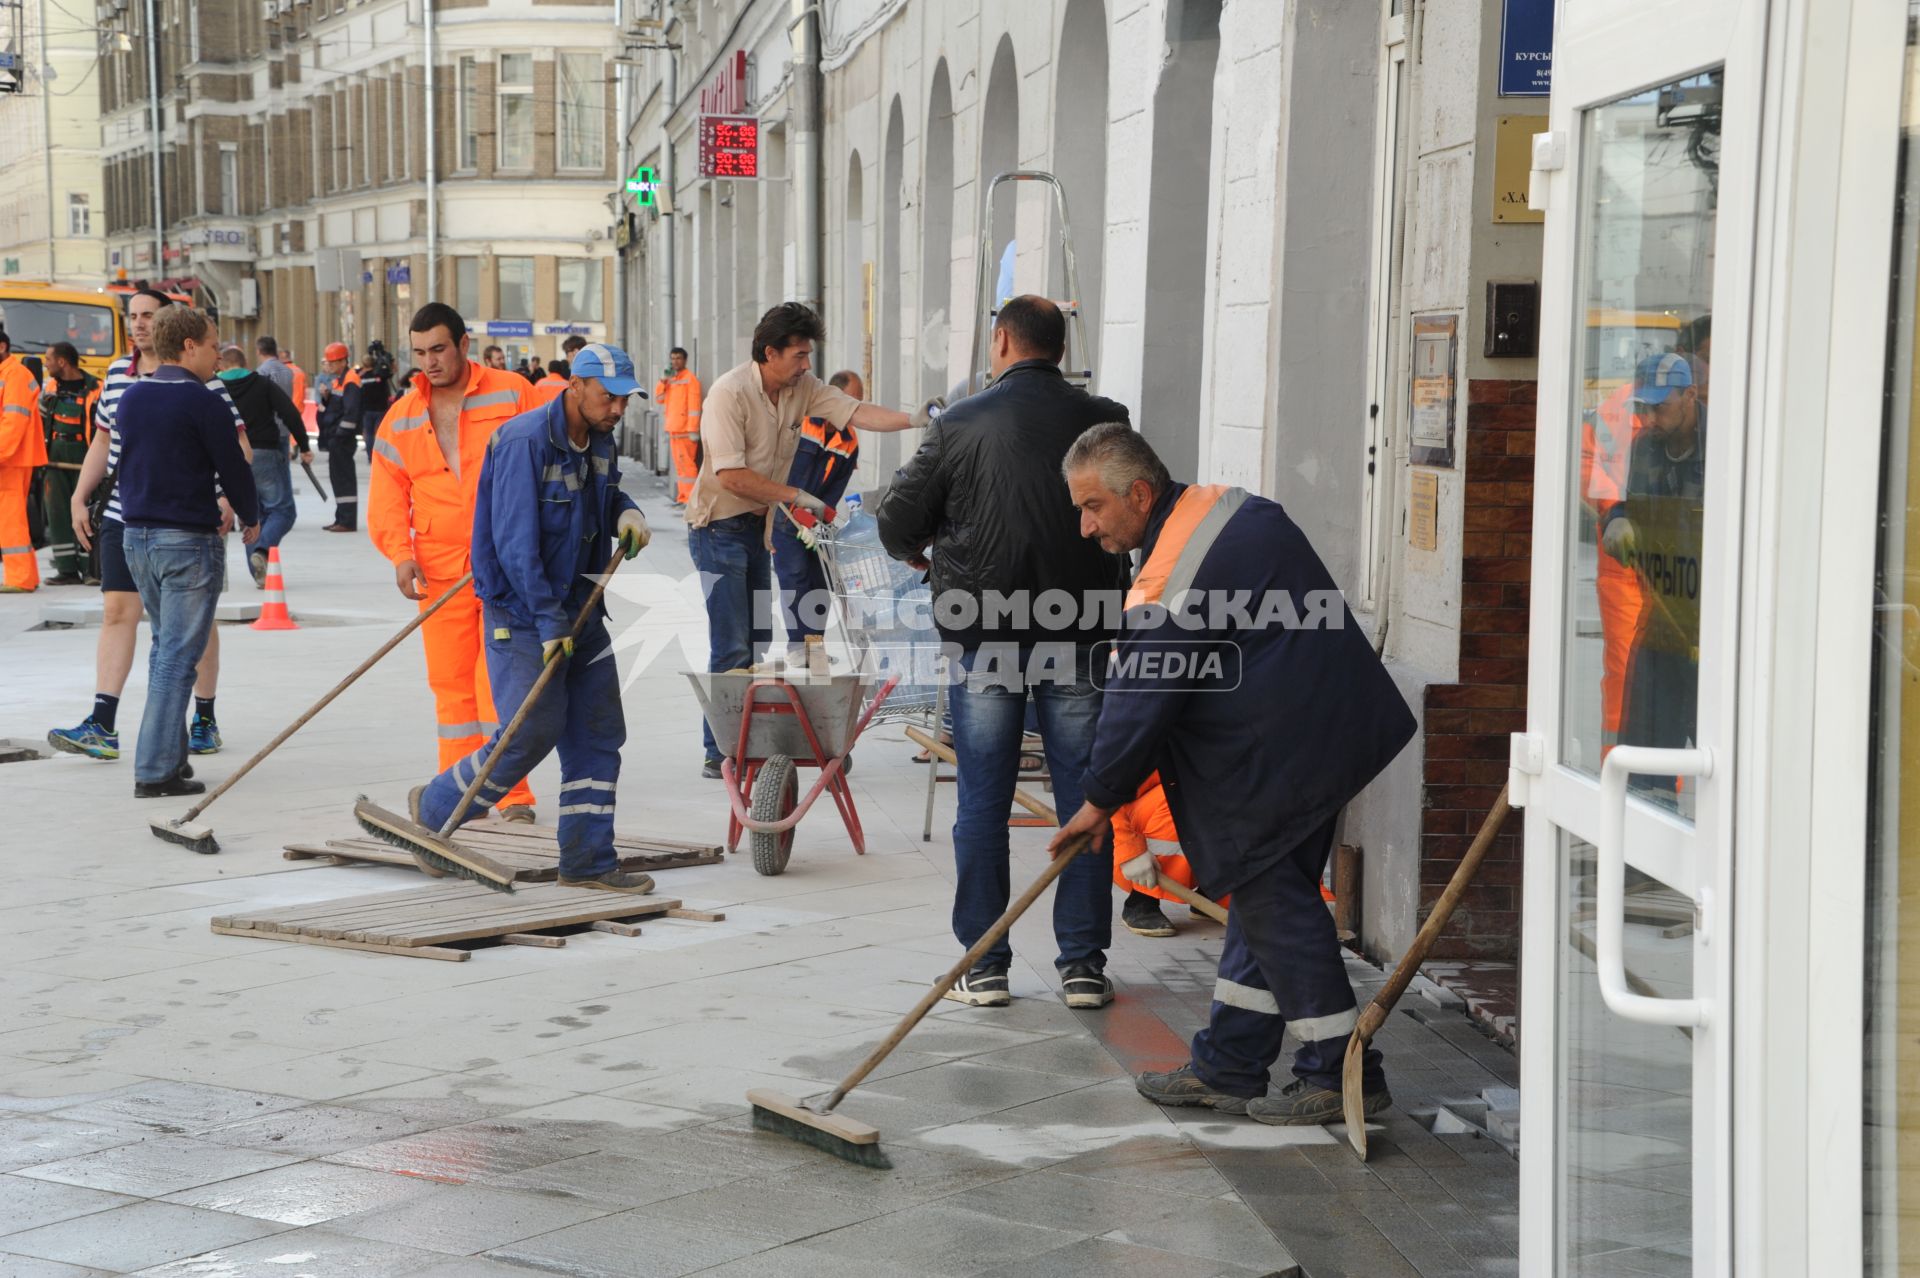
column 844, row 1138
column 187, row 834
column 441, row 858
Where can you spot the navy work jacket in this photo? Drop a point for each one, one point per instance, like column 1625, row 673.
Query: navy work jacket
column 1262, row 747
column 543, row 519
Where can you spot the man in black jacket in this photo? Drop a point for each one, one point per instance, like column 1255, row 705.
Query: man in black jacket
column 272, row 421
column 1020, row 599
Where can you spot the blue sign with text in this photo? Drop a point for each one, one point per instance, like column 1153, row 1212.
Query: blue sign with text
column 509, row 328
column 1526, row 48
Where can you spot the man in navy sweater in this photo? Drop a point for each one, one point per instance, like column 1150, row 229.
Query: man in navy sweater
column 179, row 441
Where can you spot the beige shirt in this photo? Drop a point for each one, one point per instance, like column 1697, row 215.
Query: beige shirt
column 741, row 427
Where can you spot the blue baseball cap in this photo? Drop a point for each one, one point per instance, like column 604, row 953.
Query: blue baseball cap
column 1659, row 376
column 613, row 366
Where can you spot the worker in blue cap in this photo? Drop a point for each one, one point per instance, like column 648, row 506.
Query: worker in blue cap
column 548, row 511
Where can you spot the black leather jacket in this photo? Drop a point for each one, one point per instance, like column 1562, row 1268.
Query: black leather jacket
column 985, row 490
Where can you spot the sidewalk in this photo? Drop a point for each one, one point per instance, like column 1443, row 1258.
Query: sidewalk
column 178, row 1102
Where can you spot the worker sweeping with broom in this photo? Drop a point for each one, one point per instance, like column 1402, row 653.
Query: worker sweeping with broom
column 548, row 509
column 1279, row 713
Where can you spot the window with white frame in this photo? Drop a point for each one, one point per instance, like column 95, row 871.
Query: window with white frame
column 515, row 132
column 516, row 287
column 580, row 290
column 229, row 179
column 79, row 214
column 467, row 108
column 582, row 108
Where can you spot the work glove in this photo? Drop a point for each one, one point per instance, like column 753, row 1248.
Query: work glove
column 634, row 534
column 923, row 416
column 555, row 648
column 1618, row 539
column 1142, row 871
column 808, row 502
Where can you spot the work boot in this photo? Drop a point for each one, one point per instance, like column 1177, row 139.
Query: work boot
column 711, row 769
column 257, row 565
column 1141, row 913
column 173, row 787
column 204, row 736
column 1085, row 986
column 519, row 814
column 65, row 579
column 630, row 881
column 89, row 739
column 336, row 527
column 1184, row 1087
column 1304, row 1104
column 984, row 986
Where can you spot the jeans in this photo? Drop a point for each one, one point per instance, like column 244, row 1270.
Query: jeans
column 989, row 715
column 804, row 602
column 737, row 576
column 178, row 574
column 579, row 713
column 273, row 479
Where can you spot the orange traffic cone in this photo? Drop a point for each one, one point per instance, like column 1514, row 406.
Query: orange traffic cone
column 273, row 613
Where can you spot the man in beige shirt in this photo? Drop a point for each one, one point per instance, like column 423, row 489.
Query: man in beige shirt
column 750, row 427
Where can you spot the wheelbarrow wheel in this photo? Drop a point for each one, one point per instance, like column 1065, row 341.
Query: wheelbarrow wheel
column 776, row 792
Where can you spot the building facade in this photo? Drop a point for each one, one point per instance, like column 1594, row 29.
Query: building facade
column 1276, row 211
column 320, row 177
column 50, row 184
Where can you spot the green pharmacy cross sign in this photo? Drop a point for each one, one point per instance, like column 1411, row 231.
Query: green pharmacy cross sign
column 642, row 184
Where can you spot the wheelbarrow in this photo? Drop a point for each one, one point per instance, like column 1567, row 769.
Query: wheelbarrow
column 779, row 726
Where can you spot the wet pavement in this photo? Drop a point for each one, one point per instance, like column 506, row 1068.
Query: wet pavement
column 177, row 1102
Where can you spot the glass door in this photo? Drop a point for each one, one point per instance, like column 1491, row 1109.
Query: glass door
column 1626, row 770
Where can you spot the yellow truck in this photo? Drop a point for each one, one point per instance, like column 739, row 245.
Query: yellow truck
column 38, row 315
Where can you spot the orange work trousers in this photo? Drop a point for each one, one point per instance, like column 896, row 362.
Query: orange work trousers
column 457, row 673
column 686, row 462
column 19, row 569
column 1621, row 602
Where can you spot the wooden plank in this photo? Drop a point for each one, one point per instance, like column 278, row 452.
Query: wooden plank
column 410, row 951
column 315, row 908
column 531, row 938
column 698, row 916
column 407, row 900
column 618, row 929
column 525, row 857
column 441, row 934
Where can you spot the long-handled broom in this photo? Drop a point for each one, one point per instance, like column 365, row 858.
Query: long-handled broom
column 435, row 851
column 849, row 1138
column 1352, row 1091
column 200, row 838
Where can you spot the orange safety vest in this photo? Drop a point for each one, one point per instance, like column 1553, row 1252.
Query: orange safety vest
column 23, row 442
column 548, row 388
column 418, row 508
column 1146, row 825
column 299, row 382
column 679, row 400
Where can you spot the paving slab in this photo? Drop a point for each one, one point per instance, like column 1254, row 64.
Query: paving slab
column 156, row 1166
column 134, row 1237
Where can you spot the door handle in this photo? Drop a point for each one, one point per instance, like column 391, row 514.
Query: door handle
column 1611, row 917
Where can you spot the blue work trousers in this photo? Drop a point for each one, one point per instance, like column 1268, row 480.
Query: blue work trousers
column 579, row 713
column 1281, row 969
column 804, row 602
column 178, row 575
column 989, row 717
column 737, row 576
column 273, row 479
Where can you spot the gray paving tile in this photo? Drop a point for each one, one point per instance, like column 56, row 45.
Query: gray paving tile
column 771, row 1207
column 27, row 1203
column 455, row 1155
column 477, row 1267
column 939, row 1239
column 1223, row 1230
column 133, row 1237
column 612, row 1181
column 29, row 1139
column 31, row 1267
column 630, row 1245
column 178, row 1108
column 157, row 1166
column 1073, row 1204
column 313, row 1130
column 1099, row 1258
column 800, row 1261
column 462, row 1220
column 918, row 1176
column 306, row 1253
column 304, row 1193
column 1162, row 1162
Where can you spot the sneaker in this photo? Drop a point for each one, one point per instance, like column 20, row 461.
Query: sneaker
column 1142, row 916
column 519, row 814
column 710, row 769
column 1084, row 985
column 89, row 739
column 1184, row 1087
column 204, row 736
column 984, row 986
column 173, row 787
column 257, row 565
column 631, row 881
column 1304, row 1104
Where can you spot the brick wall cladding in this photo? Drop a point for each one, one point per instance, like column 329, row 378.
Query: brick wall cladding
column 1466, row 724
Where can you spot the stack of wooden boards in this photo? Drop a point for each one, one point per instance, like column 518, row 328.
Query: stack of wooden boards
column 532, row 850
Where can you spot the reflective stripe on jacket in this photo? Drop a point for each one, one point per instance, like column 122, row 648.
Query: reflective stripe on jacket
column 418, row 508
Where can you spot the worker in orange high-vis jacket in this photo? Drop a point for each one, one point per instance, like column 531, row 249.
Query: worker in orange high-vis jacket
column 23, row 449
column 426, row 472
column 548, row 388
column 1144, row 828
column 678, row 394
column 1606, row 441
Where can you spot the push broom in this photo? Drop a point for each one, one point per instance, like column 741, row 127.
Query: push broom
column 1352, row 1090
column 849, row 1138
column 182, row 829
column 434, row 850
